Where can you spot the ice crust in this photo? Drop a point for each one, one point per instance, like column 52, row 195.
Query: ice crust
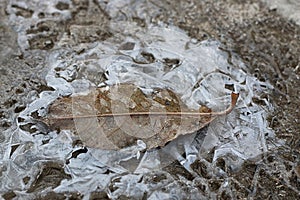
column 199, row 78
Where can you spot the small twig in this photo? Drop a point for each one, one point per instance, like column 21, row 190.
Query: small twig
column 234, row 98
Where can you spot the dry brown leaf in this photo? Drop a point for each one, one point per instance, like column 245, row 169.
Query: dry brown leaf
column 113, row 117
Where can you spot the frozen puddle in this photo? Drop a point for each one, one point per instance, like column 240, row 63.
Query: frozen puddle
column 157, row 57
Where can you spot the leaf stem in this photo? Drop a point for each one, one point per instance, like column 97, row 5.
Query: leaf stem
column 234, row 98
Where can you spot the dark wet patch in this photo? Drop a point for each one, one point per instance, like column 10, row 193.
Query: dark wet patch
column 201, row 169
column 9, row 195
column 145, row 58
column 60, row 196
column 176, row 169
column 42, row 42
column 127, row 46
column 171, row 63
column 270, row 47
column 99, row 196
column 26, row 13
column 19, row 109
column 29, row 127
column 52, row 173
column 13, row 148
column 77, row 153
column 62, row 6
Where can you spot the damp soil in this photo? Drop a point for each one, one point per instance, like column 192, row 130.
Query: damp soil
column 268, row 44
column 270, row 47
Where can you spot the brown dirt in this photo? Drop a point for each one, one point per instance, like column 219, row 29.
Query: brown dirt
column 268, row 44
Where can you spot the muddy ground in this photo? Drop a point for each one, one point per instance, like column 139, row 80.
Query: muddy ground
column 268, row 43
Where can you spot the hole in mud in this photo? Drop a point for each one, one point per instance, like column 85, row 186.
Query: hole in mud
column 229, row 87
column 2, row 115
column 158, row 178
column 225, row 196
column 6, row 124
column 28, row 127
column 19, row 91
column 43, row 27
column 26, row 13
column 77, row 143
column 9, row 195
column 98, row 195
column 108, row 172
column 201, row 169
column 80, row 151
column 201, row 187
column 221, row 164
column 214, row 184
column 127, row 46
column 24, row 85
column 258, row 101
column 102, row 35
column 145, row 58
column 112, row 186
column 57, row 69
column 139, row 21
column 10, row 102
column 55, row 14
column 19, row 109
column 42, row 42
column 43, row 87
column 61, row 196
column 26, row 179
column 46, row 141
column 41, row 15
column 50, row 177
column 76, row 153
column 177, row 168
column 13, row 149
column 35, row 114
column 266, row 134
column 171, row 63
column 62, row 6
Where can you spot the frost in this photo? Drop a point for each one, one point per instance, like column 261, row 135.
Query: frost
column 164, row 57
